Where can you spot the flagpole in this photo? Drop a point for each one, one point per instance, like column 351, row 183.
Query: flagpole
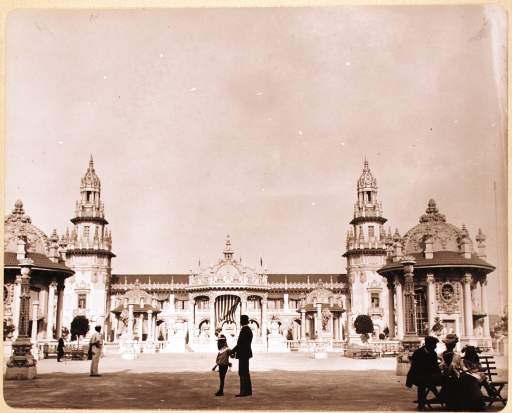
column 498, row 251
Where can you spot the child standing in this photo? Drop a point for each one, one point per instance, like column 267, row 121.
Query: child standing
column 222, row 361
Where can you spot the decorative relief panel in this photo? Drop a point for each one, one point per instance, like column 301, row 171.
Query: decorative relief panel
column 448, row 297
column 8, row 299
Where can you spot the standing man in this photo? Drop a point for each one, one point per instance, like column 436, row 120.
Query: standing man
column 96, row 344
column 243, row 352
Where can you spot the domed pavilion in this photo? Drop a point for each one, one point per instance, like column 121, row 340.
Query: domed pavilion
column 34, row 274
column 436, row 277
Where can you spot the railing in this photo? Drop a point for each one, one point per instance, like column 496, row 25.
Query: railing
column 293, row 345
column 376, row 311
column 111, row 348
column 338, row 345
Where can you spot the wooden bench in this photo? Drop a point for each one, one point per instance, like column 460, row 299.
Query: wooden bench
column 49, row 350
column 75, row 354
column 365, row 353
column 489, row 368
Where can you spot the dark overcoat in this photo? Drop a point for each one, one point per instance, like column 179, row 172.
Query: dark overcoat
column 243, row 350
column 424, row 367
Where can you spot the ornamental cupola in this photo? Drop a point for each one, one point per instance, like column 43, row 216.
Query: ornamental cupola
column 367, row 231
column 228, row 251
column 90, row 230
column 90, row 205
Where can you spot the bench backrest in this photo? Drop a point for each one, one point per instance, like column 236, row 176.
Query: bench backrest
column 488, row 366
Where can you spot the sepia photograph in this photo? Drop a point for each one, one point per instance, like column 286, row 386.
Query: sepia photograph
column 256, row 208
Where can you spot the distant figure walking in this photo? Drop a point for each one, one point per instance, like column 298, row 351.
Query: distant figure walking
column 243, row 352
column 223, row 362
column 96, row 345
column 60, row 349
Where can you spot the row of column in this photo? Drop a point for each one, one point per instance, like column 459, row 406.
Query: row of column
column 50, row 310
column 395, row 293
column 335, row 328
column 131, row 321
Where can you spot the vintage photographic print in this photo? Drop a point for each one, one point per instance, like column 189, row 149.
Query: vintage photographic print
column 256, row 208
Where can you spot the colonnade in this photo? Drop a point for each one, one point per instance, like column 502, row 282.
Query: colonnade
column 397, row 310
column 50, row 302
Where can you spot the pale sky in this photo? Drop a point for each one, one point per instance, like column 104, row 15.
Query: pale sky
column 255, row 123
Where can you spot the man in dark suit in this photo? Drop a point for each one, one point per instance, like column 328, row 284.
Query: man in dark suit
column 425, row 371
column 242, row 351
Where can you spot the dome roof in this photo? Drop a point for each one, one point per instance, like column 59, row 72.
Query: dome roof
column 135, row 295
column 19, row 225
column 366, row 180
column 90, row 180
column 433, row 225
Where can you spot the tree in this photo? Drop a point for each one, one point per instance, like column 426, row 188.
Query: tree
column 364, row 326
column 79, row 327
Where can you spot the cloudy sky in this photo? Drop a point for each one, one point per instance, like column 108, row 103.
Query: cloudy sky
column 255, row 123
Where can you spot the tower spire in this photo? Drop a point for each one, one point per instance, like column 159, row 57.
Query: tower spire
column 228, row 251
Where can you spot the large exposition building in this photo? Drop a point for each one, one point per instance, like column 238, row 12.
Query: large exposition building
column 402, row 283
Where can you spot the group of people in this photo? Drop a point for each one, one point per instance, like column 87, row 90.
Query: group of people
column 243, row 352
column 459, row 375
column 94, row 352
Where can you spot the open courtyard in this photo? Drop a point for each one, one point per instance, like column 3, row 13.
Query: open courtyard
column 289, row 381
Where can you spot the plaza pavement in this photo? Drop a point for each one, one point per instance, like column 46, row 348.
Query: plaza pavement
column 290, row 381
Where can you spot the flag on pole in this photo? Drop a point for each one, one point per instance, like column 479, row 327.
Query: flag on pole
column 226, row 306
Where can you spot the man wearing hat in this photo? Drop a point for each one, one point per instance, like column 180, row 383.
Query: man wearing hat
column 96, row 345
column 425, row 371
column 450, row 364
column 243, row 352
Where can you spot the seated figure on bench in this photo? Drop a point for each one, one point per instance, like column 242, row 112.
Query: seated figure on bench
column 425, row 373
column 451, row 362
column 471, row 379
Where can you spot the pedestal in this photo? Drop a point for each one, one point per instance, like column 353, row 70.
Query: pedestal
column 276, row 343
column 21, row 365
column 20, row 373
column 176, row 344
column 320, row 350
column 149, row 347
column 403, row 363
column 128, row 348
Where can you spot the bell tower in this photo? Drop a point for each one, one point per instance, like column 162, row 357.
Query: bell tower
column 89, row 254
column 365, row 253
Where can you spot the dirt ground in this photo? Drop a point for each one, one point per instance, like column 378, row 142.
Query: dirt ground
column 292, row 381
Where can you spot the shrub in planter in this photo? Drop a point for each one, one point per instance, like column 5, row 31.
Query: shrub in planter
column 364, row 326
column 79, row 327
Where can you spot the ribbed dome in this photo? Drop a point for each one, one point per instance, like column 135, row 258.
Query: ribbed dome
column 366, row 180
column 90, row 180
column 433, row 225
column 17, row 225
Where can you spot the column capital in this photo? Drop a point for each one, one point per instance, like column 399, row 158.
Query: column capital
column 430, row 278
column 18, row 279
column 467, row 278
column 53, row 284
column 397, row 283
column 483, row 281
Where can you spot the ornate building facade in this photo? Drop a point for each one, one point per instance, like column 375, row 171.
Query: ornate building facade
column 366, row 249
column 437, row 278
column 176, row 312
column 89, row 254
